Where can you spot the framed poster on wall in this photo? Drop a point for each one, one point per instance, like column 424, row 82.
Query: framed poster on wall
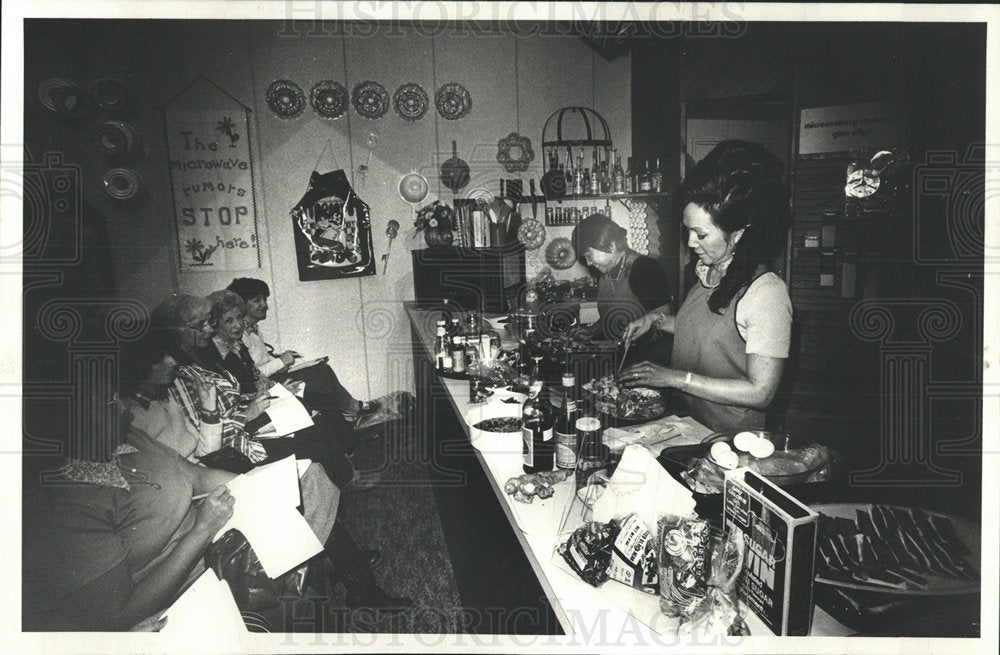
column 211, row 175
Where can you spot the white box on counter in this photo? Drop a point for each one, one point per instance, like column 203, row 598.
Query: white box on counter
column 780, row 537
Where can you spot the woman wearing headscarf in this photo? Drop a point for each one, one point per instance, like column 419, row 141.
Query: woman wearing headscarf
column 628, row 285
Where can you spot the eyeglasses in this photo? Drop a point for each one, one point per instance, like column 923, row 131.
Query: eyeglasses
column 199, row 325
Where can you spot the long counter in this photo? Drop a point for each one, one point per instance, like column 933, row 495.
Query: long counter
column 489, row 576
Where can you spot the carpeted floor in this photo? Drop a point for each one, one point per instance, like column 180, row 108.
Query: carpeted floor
column 399, row 517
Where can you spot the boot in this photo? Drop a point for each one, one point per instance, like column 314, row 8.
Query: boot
column 351, row 568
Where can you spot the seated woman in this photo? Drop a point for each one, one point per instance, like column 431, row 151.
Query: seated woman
column 183, row 323
column 149, row 383
column 323, row 389
column 628, row 285
column 732, row 334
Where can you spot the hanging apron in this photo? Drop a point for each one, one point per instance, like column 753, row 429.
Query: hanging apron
column 333, row 230
column 706, row 343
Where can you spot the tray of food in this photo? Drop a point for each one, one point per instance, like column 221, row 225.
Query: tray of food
column 638, row 404
column 782, row 458
column 897, row 550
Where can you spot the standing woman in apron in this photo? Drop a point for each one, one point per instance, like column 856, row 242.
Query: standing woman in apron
column 732, row 334
column 628, row 286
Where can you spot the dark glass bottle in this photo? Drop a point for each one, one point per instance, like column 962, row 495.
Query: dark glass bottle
column 537, row 445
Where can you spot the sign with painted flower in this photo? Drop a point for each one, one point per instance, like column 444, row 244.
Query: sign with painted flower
column 211, row 172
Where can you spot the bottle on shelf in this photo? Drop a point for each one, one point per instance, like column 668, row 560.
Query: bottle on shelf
column 618, row 175
column 592, row 455
column 645, row 179
column 570, row 173
column 629, row 178
column 578, row 180
column 657, row 178
column 595, row 177
column 537, row 447
column 565, row 425
column 606, row 183
column 442, row 351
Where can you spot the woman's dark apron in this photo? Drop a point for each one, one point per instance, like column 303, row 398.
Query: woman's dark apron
column 618, row 306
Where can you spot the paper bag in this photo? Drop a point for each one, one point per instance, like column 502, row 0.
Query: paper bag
column 641, row 486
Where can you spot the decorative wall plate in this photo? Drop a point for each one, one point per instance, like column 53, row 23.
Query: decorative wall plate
column 453, row 101
column 514, row 152
column 45, row 89
column 286, row 99
column 531, row 234
column 560, row 254
column 413, row 187
column 112, row 96
column 370, row 99
column 122, row 183
column 114, row 138
column 328, row 99
column 410, row 101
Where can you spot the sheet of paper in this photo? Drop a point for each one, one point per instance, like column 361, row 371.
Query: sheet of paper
column 283, row 542
column 287, row 412
column 302, row 465
column 306, row 363
column 207, row 615
column 266, row 513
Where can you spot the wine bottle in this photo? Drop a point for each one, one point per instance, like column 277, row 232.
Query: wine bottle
column 645, row 180
column 565, row 426
column 606, row 183
column 536, row 426
column 618, row 175
column 657, row 178
column 630, row 178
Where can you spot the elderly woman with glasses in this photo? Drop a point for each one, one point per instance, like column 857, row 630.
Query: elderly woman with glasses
column 183, row 322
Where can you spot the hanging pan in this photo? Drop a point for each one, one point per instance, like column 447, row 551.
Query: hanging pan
column 454, row 172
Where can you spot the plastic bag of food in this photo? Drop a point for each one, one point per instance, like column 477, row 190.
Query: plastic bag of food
column 588, row 550
column 718, row 612
column 633, row 556
column 681, row 556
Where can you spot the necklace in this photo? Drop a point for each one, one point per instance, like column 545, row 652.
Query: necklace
column 616, row 279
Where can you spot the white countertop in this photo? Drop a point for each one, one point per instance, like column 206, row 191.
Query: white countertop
column 580, row 608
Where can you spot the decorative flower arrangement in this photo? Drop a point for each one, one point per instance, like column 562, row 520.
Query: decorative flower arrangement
column 437, row 221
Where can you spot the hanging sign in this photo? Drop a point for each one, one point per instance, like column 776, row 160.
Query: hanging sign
column 846, row 127
column 211, row 172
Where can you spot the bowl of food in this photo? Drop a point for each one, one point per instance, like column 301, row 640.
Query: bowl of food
column 495, row 426
column 778, row 456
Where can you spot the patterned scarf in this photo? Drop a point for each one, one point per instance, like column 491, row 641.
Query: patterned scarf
column 105, row 474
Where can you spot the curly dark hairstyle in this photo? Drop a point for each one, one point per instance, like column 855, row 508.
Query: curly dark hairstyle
column 739, row 185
